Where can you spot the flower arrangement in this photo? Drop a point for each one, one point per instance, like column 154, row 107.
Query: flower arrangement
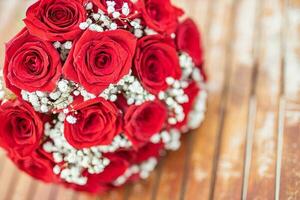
column 100, row 90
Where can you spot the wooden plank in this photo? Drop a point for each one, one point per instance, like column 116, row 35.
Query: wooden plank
column 171, row 176
column 229, row 175
column 7, row 176
column 200, row 164
column 289, row 177
column 144, row 189
column 40, row 190
column 22, row 187
column 117, row 194
column 64, row 193
column 268, row 87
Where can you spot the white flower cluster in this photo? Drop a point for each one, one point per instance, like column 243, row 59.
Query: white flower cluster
column 171, row 139
column 63, row 48
column 196, row 116
column 132, row 90
column 58, row 99
column 100, row 22
column 174, row 98
column 189, row 70
column 143, row 170
column 129, row 86
column 76, row 161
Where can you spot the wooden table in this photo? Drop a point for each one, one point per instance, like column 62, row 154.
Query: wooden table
column 249, row 144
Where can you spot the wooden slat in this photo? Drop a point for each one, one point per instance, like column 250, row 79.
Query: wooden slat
column 144, row 189
column 7, row 176
column 268, row 85
column 200, row 165
column 40, row 190
column 65, row 193
column 229, row 175
column 22, row 187
column 171, row 176
column 289, row 177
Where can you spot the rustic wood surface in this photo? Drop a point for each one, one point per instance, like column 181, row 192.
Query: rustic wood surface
column 249, row 144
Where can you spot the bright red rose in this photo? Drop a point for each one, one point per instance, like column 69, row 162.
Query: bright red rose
column 55, row 20
column 21, row 129
column 188, row 40
column 37, row 165
column 100, row 59
column 142, row 122
column 160, row 15
column 191, row 91
column 31, row 64
column 98, row 122
column 155, row 60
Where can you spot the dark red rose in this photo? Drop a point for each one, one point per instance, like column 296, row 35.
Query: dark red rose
column 160, row 15
column 142, row 122
column 147, row 151
column 99, row 183
column 31, row 64
column 188, row 40
column 21, row 129
column 55, row 20
column 38, row 166
column 100, row 59
column 98, row 122
column 192, row 92
column 155, row 60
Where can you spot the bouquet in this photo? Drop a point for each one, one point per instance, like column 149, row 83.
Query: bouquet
column 95, row 91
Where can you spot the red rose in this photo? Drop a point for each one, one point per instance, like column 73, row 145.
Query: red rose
column 98, row 122
column 55, row 20
column 21, row 129
column 142, row 122
column 155, row 60
column 147, row 151
column 160, row 15
column 188, row 40
column 192, row 92
column 37, row 165
column 100, row 59
column 31, row 64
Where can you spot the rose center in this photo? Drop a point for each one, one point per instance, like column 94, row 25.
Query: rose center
column 102, row 60
column 32, row 63
column 61, row 16
column 154, row 12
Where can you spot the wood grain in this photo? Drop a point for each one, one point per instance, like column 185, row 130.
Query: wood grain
column 248, row 146
column 290, row 179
